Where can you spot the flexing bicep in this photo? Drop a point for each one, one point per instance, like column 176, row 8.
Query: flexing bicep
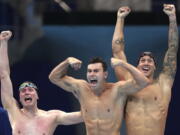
column 68, row 83
column 64, row 118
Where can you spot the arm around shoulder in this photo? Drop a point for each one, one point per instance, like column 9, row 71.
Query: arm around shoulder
column 132, row 85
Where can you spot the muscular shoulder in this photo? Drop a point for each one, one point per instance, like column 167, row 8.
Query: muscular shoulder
column 121, row 84
column 52, row 112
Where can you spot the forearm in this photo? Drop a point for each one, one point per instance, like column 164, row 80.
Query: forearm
column 139, row 78
column 6, row 90
column 170, row 60
column 4, row 60
column 173, row 33
column 59, row 71
column 118, row 38
column 75, row 118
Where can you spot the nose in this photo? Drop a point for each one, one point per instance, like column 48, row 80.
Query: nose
column 146, row 62
column 92, row 73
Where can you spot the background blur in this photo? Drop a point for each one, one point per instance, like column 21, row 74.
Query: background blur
column 46, row 33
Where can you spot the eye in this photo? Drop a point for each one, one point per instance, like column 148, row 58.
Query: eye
column 142, row 60
column 22, row 90
column 89, row 71
column 30, row 89
column 96, row 70
column 150, row 60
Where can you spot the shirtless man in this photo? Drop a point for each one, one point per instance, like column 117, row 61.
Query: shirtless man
column 102, row 103
column 30, row 120
column 146, row 111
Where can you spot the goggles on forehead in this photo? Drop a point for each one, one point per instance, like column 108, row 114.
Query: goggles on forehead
column 27, row 84
column 150, row 54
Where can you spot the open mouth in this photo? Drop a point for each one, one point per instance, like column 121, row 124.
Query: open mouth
column 146, row 69
column 28, row 99
column 93, row 81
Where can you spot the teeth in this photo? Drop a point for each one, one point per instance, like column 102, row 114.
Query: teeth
column 28, row 99
column 145, row 68
column 93, row 80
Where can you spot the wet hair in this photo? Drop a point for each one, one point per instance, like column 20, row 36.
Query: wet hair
column 98, row 60
column 150, row 54
column 28, row 84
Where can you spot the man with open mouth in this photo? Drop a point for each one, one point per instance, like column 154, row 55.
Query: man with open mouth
column 146, row 111
column 28, row 120
column 102, row 103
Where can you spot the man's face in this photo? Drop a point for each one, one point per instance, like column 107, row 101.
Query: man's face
column 95, row 75
column 147, row 66
column 28, row 97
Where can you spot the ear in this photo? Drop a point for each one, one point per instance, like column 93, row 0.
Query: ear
column 154, row 67
column 105, row 75
column 37, row 95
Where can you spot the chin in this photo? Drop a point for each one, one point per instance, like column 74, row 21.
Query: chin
column 93, row 87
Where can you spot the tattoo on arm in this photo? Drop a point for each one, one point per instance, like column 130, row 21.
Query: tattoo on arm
column 119, row 41
column 118, row 46
column 170, row 60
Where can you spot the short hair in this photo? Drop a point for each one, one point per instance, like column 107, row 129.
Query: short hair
column 150, row 54
column 98, row 60
column 28, row 84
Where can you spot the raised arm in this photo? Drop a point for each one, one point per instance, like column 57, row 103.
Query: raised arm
column 7, row 98
column 59, row 75
column 170, row 60
column 118, row 43
column 132, row 85
column 64, row 118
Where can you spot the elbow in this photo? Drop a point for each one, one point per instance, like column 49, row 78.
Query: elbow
column 52, row 78
column 143, row 83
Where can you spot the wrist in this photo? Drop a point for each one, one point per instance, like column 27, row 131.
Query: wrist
column 172, row 17
column 4, row 41
column 120, row 17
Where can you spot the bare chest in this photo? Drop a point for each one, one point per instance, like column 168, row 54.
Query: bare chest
column 103, row 107
column 34, row 126
column 148, row 95
column 149, row 101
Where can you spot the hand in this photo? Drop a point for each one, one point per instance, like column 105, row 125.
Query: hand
column 5, row 35
column 116, row 62
column 169, row 9
column 123, row 12
column 74, row 63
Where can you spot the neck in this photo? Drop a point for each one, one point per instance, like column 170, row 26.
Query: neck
column 151, row 78
column 99, row 90
column 30, row 111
